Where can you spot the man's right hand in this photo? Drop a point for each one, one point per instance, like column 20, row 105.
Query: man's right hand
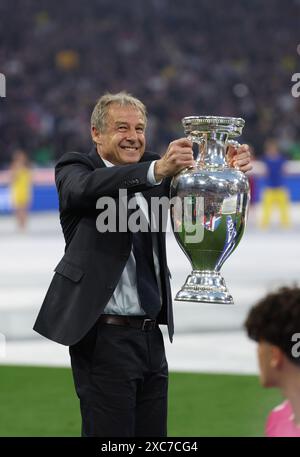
column 178, row 156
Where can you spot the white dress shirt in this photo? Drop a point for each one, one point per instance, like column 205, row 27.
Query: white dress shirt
column 125, row 300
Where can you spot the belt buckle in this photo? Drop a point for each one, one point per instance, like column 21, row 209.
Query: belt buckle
column 147, row 325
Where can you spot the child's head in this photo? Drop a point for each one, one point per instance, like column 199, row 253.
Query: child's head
column 20, row 157
column 271, row 147
column 274, row 322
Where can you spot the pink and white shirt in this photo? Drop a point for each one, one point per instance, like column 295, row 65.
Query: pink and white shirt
column 280, row 422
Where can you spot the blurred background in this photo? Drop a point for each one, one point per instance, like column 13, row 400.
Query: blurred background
column 197, row 57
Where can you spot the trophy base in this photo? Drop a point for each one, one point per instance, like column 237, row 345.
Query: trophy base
column 205, row 287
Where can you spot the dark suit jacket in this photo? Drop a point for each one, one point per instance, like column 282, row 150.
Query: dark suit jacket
column 93, row 262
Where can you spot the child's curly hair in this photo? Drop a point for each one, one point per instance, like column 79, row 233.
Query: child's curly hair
column 275, row 319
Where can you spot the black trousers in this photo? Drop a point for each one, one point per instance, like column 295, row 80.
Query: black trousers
column 121, row 378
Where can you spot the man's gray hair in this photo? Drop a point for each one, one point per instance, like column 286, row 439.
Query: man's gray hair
column 99, row 114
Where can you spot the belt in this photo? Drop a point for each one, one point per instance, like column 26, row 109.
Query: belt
column 129, row 321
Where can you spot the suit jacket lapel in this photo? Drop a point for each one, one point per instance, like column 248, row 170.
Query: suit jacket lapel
column 95, row 158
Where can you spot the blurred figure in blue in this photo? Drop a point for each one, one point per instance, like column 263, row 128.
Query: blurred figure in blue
column 275, row 194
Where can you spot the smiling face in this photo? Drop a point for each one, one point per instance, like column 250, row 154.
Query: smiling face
column 123, row 139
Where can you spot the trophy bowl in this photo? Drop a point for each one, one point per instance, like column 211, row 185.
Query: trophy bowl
column 209, row 207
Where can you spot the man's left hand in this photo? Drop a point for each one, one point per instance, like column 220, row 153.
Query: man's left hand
column 239, row 158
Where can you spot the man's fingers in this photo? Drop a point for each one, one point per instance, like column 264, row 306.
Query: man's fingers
column 186, row 162
column 242, row 161
column 243, row 156
column 242, row 165
column 245, row 168
column 186, row 150
column 243, row 149
column 182, row 142
column 181, row 156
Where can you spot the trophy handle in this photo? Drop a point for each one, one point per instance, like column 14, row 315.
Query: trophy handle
column 236, row 144
column 197, row 138
column 194, row 138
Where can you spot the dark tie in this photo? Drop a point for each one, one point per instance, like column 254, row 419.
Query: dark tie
column 147, row 286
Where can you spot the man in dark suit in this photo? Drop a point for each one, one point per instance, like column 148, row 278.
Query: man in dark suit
column 111, row 290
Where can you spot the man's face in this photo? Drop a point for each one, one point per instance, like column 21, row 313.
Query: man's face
column 123, row 141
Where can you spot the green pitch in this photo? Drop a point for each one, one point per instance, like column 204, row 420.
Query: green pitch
column 37, row 401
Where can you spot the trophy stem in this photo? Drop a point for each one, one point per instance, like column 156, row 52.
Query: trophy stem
column 206, row 287
column 211, row 150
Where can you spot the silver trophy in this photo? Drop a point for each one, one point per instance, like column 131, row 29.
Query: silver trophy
column 210, row 210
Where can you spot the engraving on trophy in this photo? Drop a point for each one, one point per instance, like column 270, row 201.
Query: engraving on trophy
column 224, row 196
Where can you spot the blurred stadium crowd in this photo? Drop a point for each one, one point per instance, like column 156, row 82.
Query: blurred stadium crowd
column 180, row 58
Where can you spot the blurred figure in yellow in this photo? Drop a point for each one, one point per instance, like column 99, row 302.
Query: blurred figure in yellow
column 21, row 187
column 275, row 194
